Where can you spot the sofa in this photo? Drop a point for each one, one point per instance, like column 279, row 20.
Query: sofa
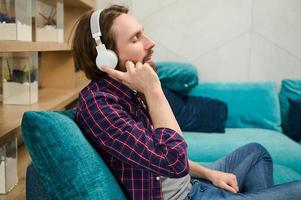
column 65, row 166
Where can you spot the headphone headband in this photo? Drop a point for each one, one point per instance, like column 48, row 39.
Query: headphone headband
column 94, row 24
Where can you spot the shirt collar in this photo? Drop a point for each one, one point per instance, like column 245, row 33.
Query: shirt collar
column 116, row 87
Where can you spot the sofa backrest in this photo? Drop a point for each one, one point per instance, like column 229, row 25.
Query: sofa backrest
column 250, row 104
column 68, row 165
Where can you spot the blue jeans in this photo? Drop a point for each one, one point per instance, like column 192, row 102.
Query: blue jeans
column 253, row 167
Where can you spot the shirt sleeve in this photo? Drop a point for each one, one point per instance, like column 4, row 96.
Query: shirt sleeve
column 162, row 150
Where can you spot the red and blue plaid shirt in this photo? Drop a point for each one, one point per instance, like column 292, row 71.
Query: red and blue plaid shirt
column 115, row 122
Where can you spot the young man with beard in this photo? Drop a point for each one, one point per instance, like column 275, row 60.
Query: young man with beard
column 137, row 134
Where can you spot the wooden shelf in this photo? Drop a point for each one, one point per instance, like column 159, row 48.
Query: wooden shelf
column 87, row 4
column 20, row 46
column 49, row 99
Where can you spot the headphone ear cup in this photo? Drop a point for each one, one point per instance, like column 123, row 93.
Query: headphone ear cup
column 107, row 58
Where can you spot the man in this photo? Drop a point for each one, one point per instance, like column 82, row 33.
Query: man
column 137, row 134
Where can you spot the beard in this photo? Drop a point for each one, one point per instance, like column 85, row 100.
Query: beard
column 123, row 69
column 153, row 66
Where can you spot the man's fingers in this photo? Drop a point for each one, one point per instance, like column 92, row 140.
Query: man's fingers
column 139, row 65
column 130, row 66
column 228, row 187
column 112, row 72
column 234, row 185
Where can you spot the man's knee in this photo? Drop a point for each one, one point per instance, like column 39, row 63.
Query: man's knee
column 260, row 150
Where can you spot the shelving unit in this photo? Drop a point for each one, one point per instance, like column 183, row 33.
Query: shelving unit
column 59, row 83
column 86, row 4
column 19, row 46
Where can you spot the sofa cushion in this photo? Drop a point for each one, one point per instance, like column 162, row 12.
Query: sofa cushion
column 283, row 174
column 289, row 89
column 68, row 165
column 294, row 119
column 200, row 114
column 177, row 76
column 210, row 147
column 250, row 105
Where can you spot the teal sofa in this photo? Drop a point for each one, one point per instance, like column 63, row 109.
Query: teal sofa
column 38, row 127
column 65, row 166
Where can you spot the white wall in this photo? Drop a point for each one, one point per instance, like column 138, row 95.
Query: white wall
column 232, row 40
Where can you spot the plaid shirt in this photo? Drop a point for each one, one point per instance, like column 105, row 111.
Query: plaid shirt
column 115, row 121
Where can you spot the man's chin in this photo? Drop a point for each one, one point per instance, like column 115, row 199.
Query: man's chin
column 123, row 68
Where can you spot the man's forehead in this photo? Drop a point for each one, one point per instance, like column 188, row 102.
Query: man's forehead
column 126, row 24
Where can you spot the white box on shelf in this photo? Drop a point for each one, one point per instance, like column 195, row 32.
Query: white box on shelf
column 20, row 93
column 20, row 78
column 49, row 20
column 15, row 20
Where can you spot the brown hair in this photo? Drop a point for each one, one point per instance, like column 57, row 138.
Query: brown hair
column 84, row 46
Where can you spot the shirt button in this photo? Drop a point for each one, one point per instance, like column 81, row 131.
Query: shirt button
column 157, row 178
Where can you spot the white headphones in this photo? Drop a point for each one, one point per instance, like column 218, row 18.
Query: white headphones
column 104, row 56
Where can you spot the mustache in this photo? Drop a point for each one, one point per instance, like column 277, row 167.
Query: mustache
column 148, row 55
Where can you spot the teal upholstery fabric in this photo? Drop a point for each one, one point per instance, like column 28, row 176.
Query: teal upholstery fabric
column 283, row 174
column 177, row 76
column 285, row 152
column 250, row 105
column 68, row 165
column 289, row 89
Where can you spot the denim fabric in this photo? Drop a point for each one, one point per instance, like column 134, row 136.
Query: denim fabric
column 252, row 166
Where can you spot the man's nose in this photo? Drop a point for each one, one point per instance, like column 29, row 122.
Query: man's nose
column 148, row 42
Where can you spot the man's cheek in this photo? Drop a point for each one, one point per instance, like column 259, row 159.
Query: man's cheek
column 135, row 56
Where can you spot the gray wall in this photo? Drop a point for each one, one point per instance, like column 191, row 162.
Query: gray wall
column 228, row 40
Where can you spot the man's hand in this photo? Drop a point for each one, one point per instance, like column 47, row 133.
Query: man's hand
column 142, row 78
column 224, row 180
column 139, row 77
